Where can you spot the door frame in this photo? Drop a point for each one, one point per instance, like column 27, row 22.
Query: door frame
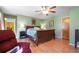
column 63, row 18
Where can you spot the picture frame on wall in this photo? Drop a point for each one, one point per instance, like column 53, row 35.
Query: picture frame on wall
column 51, row 23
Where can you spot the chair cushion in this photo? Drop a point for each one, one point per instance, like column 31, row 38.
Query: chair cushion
column 6, row 35
column 7, row 45
column 8, row 42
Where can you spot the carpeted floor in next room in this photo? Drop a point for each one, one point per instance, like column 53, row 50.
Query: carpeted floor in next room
column 53, row 46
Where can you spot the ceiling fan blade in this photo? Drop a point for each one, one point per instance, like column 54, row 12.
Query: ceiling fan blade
column 52, row 7
column 53, row 11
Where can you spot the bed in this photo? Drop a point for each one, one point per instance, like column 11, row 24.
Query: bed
column 38, row 35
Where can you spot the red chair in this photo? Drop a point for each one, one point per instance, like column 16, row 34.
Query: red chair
column 8, row 41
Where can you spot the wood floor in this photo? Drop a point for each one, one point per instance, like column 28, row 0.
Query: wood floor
column 54, row 46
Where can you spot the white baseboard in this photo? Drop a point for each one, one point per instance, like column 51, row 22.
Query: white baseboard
column 73, row 45
column 58, row 37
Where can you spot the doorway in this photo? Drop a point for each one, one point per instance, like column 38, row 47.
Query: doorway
column 66, row 28
column 10, row 23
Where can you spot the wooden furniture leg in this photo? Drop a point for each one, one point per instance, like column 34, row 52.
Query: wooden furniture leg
column 75, row 44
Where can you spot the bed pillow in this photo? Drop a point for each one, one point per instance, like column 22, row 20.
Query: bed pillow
column 36, row 28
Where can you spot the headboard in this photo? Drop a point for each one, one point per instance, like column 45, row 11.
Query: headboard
column 27, row 27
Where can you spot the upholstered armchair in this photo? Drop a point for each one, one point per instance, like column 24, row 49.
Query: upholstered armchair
column 8, row 42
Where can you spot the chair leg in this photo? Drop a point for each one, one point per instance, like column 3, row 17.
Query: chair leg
column 36, row 42
column 75, row 44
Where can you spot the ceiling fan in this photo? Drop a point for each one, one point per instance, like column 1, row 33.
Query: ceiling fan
column 47, row 9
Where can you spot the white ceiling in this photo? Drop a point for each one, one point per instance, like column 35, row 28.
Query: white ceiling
column 30, row 11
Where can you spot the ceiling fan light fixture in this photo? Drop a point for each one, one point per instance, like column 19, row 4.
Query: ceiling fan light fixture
column 45, row 12
column 47, row 9
column 43, row 8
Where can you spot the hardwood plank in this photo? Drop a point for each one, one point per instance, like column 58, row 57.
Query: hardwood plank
column 54, row 46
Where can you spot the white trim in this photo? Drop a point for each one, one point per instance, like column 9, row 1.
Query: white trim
column 73, row 45
column 58, row 37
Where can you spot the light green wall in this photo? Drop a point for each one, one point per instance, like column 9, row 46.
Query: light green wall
column 58, row 25
column 1, row 19
column 39, row 22
column 74, row 23
column 21, row 21
column 48, row 21
column 45, row 22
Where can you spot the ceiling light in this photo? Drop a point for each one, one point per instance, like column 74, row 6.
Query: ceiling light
column 45, row 12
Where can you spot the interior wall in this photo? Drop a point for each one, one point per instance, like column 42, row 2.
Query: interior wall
column 50, row 23
column 58, row 27
column 1, row 20
column 21, row 21
column 58, row 24
column 74, row 16
column 46, row 23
